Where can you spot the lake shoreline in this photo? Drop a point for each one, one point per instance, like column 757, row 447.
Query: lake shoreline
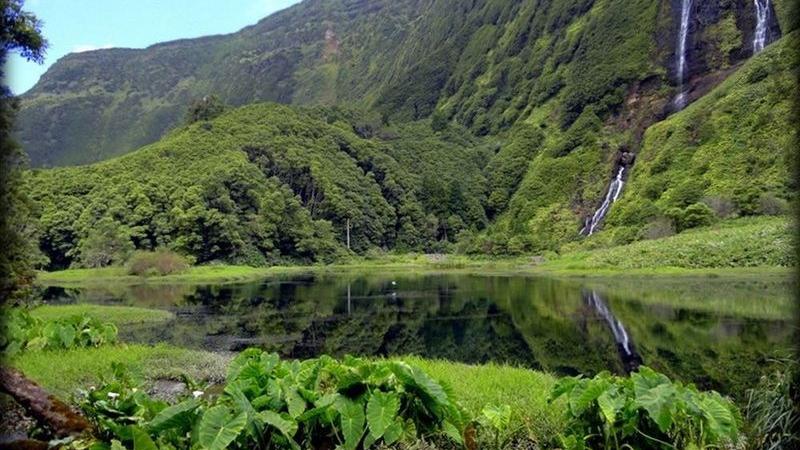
column 226, row 274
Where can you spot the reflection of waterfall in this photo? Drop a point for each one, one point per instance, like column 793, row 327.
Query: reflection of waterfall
column 630, row 359
column 686, row 7
column 613, row 194
column 762, row 22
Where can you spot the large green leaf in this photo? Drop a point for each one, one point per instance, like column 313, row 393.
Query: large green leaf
column 174, row 416
column 610, row 403
column 352, row 422
column 585, row 393
column 285, row 425
column 218, row 429
column 142, row 440
column 658, row 402
column 382, row 409
column 719, row 418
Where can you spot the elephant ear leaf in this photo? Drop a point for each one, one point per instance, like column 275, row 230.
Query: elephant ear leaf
column 142, row 440
column 382, row 408
column 352, row 417
column 218, row 429
column 174, row 416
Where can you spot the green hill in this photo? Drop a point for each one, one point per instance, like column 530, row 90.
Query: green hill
column 266, row 182
column 486, row 64
column 495, row 124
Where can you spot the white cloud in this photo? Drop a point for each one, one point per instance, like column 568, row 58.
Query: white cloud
column 89, row 47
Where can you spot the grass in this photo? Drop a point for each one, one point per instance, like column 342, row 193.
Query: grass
column 526, row 391
column 62, row 372
column 118, row 315
column 751, row 245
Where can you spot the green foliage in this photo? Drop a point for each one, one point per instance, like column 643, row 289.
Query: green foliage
column 644, row 411
column 204, row 109
column 108, row 243
column 270, row 403
column 160, row 263
column 750, row 242
column 21, row 34
column 772, row 416
column 21, row 331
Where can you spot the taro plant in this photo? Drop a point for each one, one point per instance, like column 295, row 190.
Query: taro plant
column 270, row 403
column 496, row 420
column 21, row 331
column 644, row 411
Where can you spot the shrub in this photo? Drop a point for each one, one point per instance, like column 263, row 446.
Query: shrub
column 643, row 411
column 160, row 262
column 270, row 403
column 21, row 331
column 769, row 205
column 660, row 227
column 697, row 215
column 722, row 207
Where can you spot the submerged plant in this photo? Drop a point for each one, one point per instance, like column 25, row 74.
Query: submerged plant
column 644, row 411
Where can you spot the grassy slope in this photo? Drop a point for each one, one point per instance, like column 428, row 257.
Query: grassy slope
column 734, row 143
column 118, row 315
column 526, row 391
column 745, row 244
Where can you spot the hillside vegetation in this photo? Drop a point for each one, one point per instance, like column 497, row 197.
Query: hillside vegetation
column 261, row 183
column 502, row 139
column 486, row 64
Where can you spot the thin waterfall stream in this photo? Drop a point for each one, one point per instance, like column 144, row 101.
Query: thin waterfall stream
column 680, row 54
column 762, row 23
column 614, row 190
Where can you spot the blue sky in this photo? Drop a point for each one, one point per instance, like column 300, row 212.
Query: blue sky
column 80, row 25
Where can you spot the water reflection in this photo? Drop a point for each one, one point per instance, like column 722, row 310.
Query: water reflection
column 716, row 333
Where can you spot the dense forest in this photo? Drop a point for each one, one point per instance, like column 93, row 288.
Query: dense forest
column 501, row 141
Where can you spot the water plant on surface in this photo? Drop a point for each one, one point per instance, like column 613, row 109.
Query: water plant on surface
column 21, row 331
column 270, row 403
column 644, row 411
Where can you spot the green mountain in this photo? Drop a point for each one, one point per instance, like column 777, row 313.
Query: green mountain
column 267, row 182
column 493, row 123
column 486, row 64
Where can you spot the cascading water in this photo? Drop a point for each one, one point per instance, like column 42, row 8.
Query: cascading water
column 613, row 194
column 680, row 54
column 762, row 22
column 630, row 358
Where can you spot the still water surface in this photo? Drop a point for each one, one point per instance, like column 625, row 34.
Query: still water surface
column 717, row 333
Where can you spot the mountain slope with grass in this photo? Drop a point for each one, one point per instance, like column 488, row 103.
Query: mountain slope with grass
column 486, row 64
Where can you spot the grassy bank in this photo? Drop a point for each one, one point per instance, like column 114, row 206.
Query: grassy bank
column 761, row 246
column 748, row 247
column 526, row 391
column 118, row 315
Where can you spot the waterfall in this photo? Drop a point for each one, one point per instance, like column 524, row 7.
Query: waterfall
column 762, row 22
column 630, row 358
column 613, row 194
column 686, row 7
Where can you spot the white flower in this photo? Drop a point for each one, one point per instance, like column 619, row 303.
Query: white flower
column 91, row 388
column 134, row 389
column 197, row 393
column 113, row 395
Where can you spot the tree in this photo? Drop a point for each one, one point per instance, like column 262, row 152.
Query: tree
column 108, row 243
column 204, row 109
column 21, row 33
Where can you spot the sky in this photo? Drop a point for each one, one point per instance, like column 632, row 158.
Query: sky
column 81, row 25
